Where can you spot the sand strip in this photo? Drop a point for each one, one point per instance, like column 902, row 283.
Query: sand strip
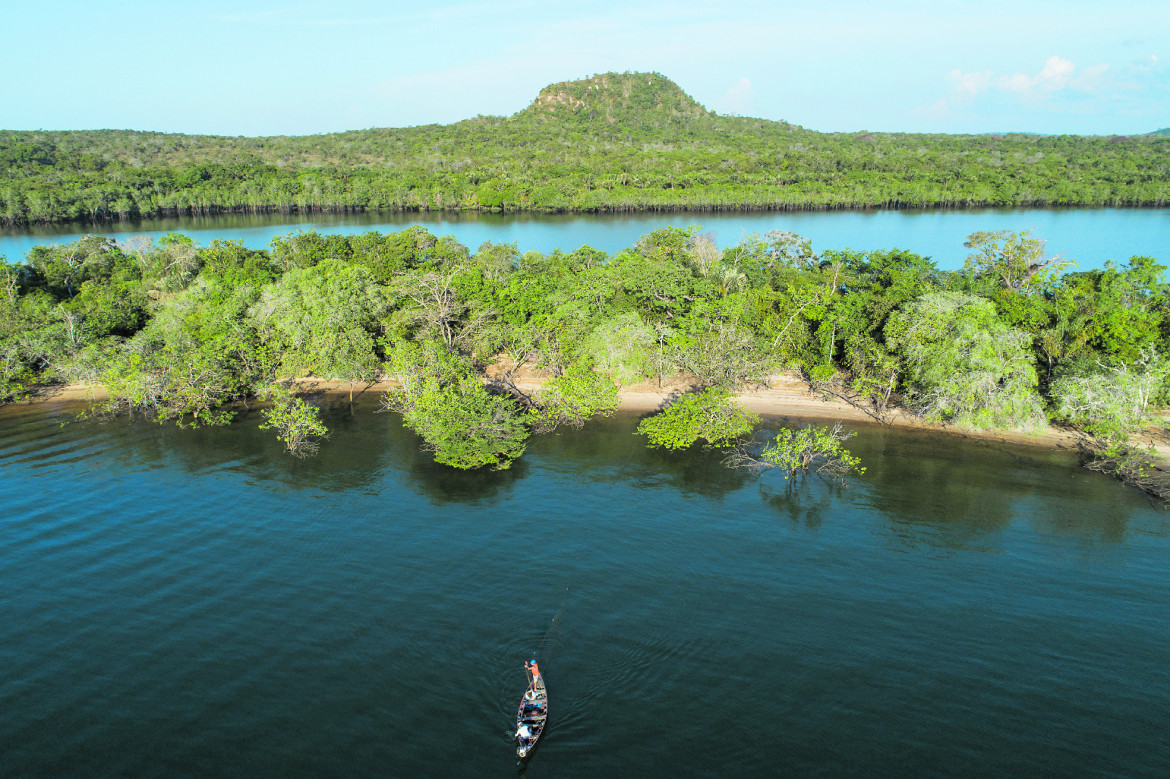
column 784, row 396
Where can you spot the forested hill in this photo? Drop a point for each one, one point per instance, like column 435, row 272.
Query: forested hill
column 639, row 99
column 614, row 142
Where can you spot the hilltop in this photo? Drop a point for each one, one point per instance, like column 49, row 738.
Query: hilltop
column 611, row 142
column 641, row 98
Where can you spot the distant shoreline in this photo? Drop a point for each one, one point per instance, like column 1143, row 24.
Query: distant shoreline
column 80, row 223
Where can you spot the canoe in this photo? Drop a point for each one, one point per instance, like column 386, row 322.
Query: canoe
column 533, row 712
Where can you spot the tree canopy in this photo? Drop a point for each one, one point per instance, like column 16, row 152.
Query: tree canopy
column 180, row 332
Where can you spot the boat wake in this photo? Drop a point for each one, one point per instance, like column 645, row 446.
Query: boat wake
column 532, row 715
column 544, row 649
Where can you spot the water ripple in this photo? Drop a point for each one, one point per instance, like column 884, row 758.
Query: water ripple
column 179, row 602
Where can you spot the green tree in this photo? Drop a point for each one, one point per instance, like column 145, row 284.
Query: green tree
column 1113, row 402
column 723, row 354
column 622, row 346
column 459, row 420
column 429, row 305
column 324, row 320
column 709, row 416
column 962, row 365
column 173, row 264
column 1015, row 260
column 1111, row 406
column 797, row 453
column 468, row 427
column 1116, row 314
column 200, row 351
column 570, row 398
column 16, row 370
column 63, row 269
column 297, row 423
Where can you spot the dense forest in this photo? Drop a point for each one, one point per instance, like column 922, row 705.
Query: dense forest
column 175, row 331
column 614, row 142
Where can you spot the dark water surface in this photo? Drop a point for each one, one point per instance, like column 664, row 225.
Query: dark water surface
column 1089, row 237
column 195, row 603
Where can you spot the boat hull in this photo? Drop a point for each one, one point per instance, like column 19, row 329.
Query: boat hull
column 532, row 716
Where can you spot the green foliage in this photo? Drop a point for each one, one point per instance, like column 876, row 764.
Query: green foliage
column 709, row 416
column 622, row 346
column 1113, row 402
column 112, row 308
column 198, row 353
column 172, row 381
column 468, row 427
column 297, row 424
column 962, row 364
column 178, row 332
column 578, row 394
column 305, row 250
column 797, row 453
column 231, row 266
column 16, row 371
column 1118, row 312
column 723, row 355
column 417, row 364
column 1016, row 261
column 174, row 263
column 324, row 320
column 442, row 400
column 429, row 306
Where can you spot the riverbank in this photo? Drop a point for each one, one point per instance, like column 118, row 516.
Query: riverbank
column 782, row 397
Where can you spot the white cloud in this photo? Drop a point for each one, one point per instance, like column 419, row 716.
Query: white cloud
column 939, row 109
column 1053, row 77
column 738, row 99
column 1092, row 79
column 1058, row 75
column 965, row 86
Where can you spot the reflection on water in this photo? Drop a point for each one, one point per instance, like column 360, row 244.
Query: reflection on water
column 928, row 488
column 805, row 502
column 939, row 489
column 196, row 602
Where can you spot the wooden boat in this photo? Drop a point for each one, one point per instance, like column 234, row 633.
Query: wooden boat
column 533, row 712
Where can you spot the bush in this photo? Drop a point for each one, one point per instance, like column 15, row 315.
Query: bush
column 963, row 365
column 707, row 416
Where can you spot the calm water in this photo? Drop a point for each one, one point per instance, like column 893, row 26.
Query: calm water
column 195, row 603
column 1089, row 237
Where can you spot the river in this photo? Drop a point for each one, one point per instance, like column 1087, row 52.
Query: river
column 177, row 602
column 1088, row 237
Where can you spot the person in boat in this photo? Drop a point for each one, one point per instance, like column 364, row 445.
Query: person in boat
column 523, row 733
column 534, row 672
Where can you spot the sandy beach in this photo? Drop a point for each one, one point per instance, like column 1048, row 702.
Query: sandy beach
column 783, row 396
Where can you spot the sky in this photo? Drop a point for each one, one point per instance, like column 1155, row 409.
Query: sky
column 253, row 67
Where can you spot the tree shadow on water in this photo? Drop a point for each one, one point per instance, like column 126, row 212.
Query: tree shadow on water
column 695, row 470
column 442, row 484
column 803, row 501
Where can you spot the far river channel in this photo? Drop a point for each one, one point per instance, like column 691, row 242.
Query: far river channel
column 1088, row 237
column 195, row 603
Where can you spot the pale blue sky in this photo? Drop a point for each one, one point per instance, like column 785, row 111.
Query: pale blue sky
column 254, row 67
